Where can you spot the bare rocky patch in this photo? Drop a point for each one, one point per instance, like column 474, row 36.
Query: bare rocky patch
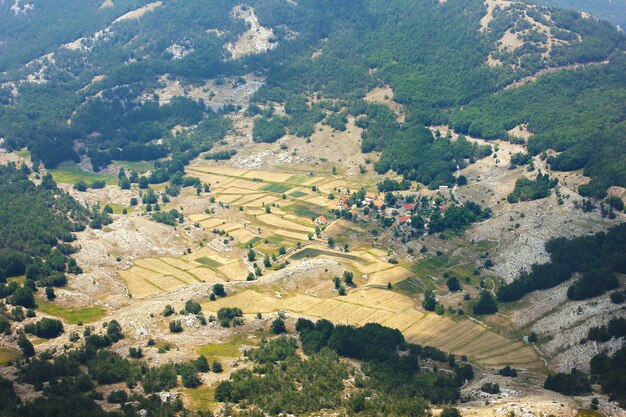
column 257, row 39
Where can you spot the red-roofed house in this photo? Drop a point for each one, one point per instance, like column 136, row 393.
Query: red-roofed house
column 407, row 206
column 378, row 203
column 404, row 219
column 321, row 220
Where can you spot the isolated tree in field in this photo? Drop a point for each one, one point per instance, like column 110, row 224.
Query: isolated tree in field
column 429, row 302
column 24, row 297
column 48, row 328
column 176, row 326
column 114, row 331
column 192, row 307
column 486, row 304
column 278, row 326
column 348, row 278
column 50, row 295
column 27, row 348
column 218, row 289
column 251, row 255
column 168, row 311
column 453, row 284
column 202, row 364
column 331, row 242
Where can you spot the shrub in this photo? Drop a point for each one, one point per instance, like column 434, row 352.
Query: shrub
column 490, row 388
column 486, row 304
column 278, row 326
column 48, row 328
column 508, row 371
column 176, row 326
column 218, row 289
column 574, row 383
column 192, row 307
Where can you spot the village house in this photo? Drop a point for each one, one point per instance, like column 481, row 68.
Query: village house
column 404, row 219
column 321, row 220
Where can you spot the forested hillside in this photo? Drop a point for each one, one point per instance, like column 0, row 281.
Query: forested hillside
column 27, row 32
column 612, row 10
column 38, row 222
column 447, row 62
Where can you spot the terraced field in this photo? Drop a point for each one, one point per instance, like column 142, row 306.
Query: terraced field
column 277, row 211
column 367, row 305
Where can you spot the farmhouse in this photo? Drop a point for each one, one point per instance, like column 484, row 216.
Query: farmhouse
column 404, row 219
column 321, row 220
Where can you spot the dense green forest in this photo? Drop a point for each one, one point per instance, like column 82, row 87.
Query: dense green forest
column 612, row 10
column 38, row 223
column 391, row 382
column 573, row 112
column 596, row 258
column 26, row 33
column 439, row 75
column 68, row 381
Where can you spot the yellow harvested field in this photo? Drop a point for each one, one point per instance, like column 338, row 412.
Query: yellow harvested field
column 179, row 263
column 322, row 201
column 235, row 271
column 314, row 180
column 248, row 198
column 228, row 198
column 206, row 252
column 243, row 235
column 459, row 335
column 158, row 266
column 329, row 186
column 404, row 321
column 212, row 222
column 377, row 252
column 427, row 329
column 221, row 170
column 205, row 274
column 293, row 235
column 253, row 301
column 247, row 184
column 524, row 356
column 142, row 283
column 279, row 222
column 392, row 275
column 235, row 190
column 268, row 176
column 198, row 217
column 380, row 299
column 396, row 311
column 206, row 177
column 229, row 227
column 266, row 200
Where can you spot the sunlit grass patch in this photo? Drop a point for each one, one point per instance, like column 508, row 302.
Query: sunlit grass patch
column 69, row 173
column 200, row 399
column 83, row 315
column 8, row 355
column 139, row 166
